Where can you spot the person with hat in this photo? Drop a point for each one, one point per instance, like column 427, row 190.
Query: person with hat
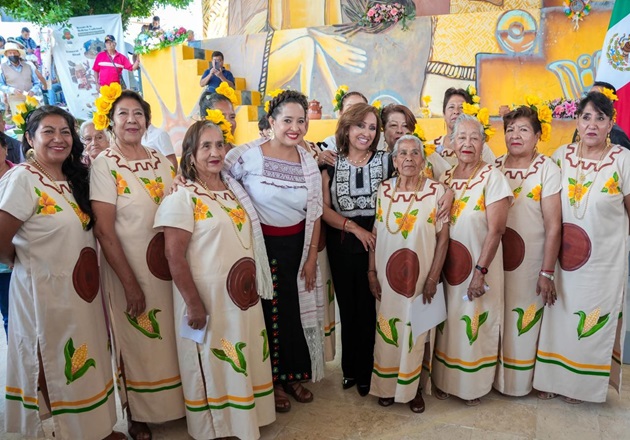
column 109, row 64
column 17, row 77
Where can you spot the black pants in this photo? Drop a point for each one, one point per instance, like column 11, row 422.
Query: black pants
column 357, row 310
column 290, row 358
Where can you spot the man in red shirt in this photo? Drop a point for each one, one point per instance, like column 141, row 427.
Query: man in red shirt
column 109, row 64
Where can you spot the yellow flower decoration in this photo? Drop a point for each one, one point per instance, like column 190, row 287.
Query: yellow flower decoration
column 470, row 109
column 429, row 149
column 24, row 109
column 484, row 116
column 227, row 91
column 612, row 185
column 457, row 208
column 341, row 90
column 377, row 104
column 544, row 114
column 379, row 212
column 535, row 193
column 425, row 112
column 47, row 205
column 217, row 118
column 608, row 93
column 156, row 189
column 31, row 100
column 103, row 105
column 200, row 211
column 18, row 119
column 431, row 218
column 275, row 92
column 419, row 133
column 577, row 190
column 21, row 107
column 426, row 99
column 472, row 90
column 532, row 100
column 546, row 132
column 481, row 203
column 267, row 107
column 111, row 92
column 476, row 99
column 406, row 222
column 101, row 121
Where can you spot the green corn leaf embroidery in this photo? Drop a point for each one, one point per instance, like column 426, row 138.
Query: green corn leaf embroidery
column 68, row 353
column 263, row 333
column 473, row 333
column 331, row 292
column 410, row 338
column 389, row 333
column 143, row 326
column 586, row 329
column 531, row 324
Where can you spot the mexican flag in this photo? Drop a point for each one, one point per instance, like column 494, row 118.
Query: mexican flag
column 614, row 64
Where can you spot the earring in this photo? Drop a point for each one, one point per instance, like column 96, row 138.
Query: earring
column 272, row 134
column 577, row 137
column 608, row 142
column 30, row 154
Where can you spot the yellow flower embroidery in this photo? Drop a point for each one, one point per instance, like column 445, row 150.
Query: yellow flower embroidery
column 429, row 149
column 200, row 211
column 406, row 222
column 83, row 217
column 47, row 205
column 612, row 185
column 431, row 218
column 173, row 173
column 457, row 208
column 428, row 171
column 577, row 190
column 156, row 189
column 535, row 193
column 481, row 203
column 121, row 184
column 237, row 215
column 379, row 211
column 517, row 192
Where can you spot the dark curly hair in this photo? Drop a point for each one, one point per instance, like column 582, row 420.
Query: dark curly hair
column 73, row 167
column 355, row 116
column 523, row 111
column 146, row 107
column 287, row 96
column 452, row 91
column 599, row 101
column 190, row 145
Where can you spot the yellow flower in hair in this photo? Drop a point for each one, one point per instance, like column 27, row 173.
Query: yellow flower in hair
column 544, row 114
column 275, row 93
column 229, row 138
column 470, row 109
column 532, row 100
column 18, row 119
column 101, row 121
column 227, row 91
column 214, row 116
column 32, row 101
column 343, row 88
column 489, row 133
column 267, row 107
column 425, row 112
column 21, row 107
column 419, row 133
column 377, row 104
column 111, row 92
column 608, row 93
column 103, row 105
column 546, row 132
column 472, row 90
column 476, row 99
column 484, row 116
column 429, row 149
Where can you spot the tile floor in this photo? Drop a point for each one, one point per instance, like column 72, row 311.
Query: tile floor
column 339, row 414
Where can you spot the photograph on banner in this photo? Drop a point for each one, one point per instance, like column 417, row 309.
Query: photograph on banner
column 75, row 48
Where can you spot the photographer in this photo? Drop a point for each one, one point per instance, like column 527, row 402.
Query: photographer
column 212, row 77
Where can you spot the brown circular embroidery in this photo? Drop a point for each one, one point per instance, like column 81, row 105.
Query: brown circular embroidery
column 241, row 283
column 156, row 260
column 576, row 247
column 85, row 276
column 513, row 249
column 458, row 263
column 402, row 271
column 322, row 239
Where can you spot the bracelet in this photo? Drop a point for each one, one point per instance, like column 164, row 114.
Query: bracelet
column 547, row 271
column 343, row 227
column 429, row 278
column 547, row 275
column 371, row 270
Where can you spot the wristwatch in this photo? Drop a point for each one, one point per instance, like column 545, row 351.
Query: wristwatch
column 483, row 270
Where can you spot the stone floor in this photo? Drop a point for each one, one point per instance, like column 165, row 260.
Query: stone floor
column 339, row 414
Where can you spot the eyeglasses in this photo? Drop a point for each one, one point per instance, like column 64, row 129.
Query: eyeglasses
column 98, row 138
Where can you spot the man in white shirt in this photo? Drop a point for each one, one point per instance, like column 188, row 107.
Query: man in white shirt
column 159, row 140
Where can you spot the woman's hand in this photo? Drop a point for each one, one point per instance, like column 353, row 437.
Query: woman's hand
column 477, row 287
column 197, row 315
column 444, row 205
column 375, row 286
column 135, row 300
column 178, row 181
column 547, row 289
column 327, row 157
column 309, row 273
column 368, row 239
column 428, row 291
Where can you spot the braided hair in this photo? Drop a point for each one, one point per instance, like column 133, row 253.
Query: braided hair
column 287, row 96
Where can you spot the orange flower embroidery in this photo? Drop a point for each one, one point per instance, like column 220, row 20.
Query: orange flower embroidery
column 406, row 222
column 154, row 187
column 535, row 193
column 481, row 203
column 121, row 184
column 200, row 211
column 612, row 185
column 431, row 218
column 379, row 211
column 237, row 215
column 457, row 208
column 577, row 190
column 47, row 205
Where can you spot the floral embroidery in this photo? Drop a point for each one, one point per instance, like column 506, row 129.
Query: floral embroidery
column 155, row 188
column 429, row 149
column 517, row 192
column 457, row 208
column 612, row 185
column 591, row 323
column 121, row 184
column 577, row 190
column 201, row 211
column 535, row 193
column 173, row 173
column 379, row 211
column 481, row 203
column 83, row 217
column 406, row 222
column 428, row 171
column 431, row 218
column 47, row 205
column 237, row 215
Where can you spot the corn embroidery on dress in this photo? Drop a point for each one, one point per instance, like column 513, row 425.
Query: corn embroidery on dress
column 55, row 306
column 403, row 261
column 227, row 381
column 523, row 251
column 581, row 338
column 145, row 344
column 466, row 348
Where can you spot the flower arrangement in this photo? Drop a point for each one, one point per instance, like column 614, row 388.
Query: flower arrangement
column 103, row 104
column 377, row 105
column 272, row 95
column 339, row 94
column 425, row 111
column 576, row 10
column 472, row 91
column 379, row 12
column 24, row 109
column 227, row 91
column 217, row 118
column 150, row 41
column 483, row 116
column 544, row 115
column 563, row 108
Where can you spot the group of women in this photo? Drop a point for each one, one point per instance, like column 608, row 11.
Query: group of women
column 218, row 296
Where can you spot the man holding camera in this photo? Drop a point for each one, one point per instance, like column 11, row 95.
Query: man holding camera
column 213, row 77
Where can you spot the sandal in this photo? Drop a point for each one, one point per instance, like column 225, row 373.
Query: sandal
column 572, row 401
column 386, row 401
column 473, row 402
column 139, row 430
column 417, row 404
column 283, row 404
column 546, row 395
column 299, row 393
column 441, row 395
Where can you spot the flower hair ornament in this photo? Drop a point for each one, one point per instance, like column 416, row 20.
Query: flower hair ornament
column 544, row 115
column 483, row 116
column 227, row 91
column 339, row 94
column 217, row 118
column 610, row 94
column 429, row 149
column 272, row 95
column 23, row 111
column 103, row 104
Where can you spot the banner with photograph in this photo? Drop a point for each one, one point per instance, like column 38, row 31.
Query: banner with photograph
column 75, row 48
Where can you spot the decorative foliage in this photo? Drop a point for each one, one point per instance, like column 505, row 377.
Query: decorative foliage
column 227, row 91
column 544, row 115
column 216, row 117
column 563, row 108
column 149, row 41
column 24, row 109
column 376, row 16
column 341, row 91
column 103, row 104
column 576, row 10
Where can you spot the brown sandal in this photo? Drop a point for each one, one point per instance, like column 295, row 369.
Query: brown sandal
column 299, row 393
column 283, row 404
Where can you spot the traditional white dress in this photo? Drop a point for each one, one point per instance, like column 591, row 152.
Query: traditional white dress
column 55, row 307
column 467, row 344
column 523, row 252
column 227, row 380
column 145, row 344
column 403, row 261
column 582, row 335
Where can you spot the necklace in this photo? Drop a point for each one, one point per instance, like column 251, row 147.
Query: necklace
column 357, row 162
column 227, row 210
column 144, row 182
column 403, row 219
column 519, row 188
column 83, row 217
column 580, row 177
column 459, row 200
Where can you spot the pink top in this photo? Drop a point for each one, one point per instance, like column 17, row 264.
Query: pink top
column 109, row 72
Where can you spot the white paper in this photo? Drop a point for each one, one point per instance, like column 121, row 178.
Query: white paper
column 426, row 316
column 197, row 335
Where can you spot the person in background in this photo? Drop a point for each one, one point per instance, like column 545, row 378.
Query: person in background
column 18, row 77
column 5, row 270
column 159, row 140
column 217, row 101
column 216, row 74
column 155, row 24
column 93, row 140
column 14, row 148
column 2, row 43
column 109, row 64
column 55, row 87
column 25, row 40
column 264, row 129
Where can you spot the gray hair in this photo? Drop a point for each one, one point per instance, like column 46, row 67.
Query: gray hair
column 463, row 118
column 89, row 122
column 409, row 137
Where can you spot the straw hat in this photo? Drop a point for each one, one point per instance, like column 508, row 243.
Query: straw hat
column 13, row 46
